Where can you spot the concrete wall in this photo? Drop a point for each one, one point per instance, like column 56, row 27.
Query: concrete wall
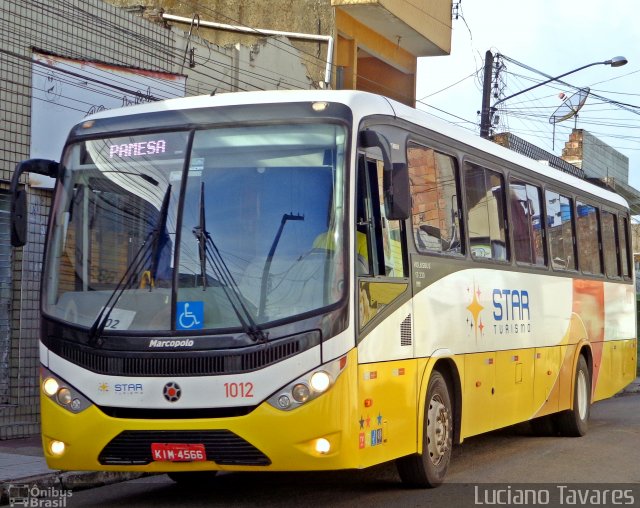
column 303, row 16
column 596, row 158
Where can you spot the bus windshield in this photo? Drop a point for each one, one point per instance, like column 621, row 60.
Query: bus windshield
column 251, row 216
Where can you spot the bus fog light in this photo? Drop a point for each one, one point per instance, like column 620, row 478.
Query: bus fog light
column 57, row 447
column 64, row 396
column 50, row 386
column 323, row 446
column 300, row 393
column 320, row 381
column 284, row 401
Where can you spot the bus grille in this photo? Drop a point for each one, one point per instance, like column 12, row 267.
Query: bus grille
column 133, row 447
column 185, row 363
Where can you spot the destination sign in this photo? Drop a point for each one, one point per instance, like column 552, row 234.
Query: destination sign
column 139, row 149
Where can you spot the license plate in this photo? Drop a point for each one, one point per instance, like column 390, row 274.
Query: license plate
column 178, row 452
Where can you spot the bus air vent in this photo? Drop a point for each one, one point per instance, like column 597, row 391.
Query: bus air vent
column 133, row 447
column 405, row 331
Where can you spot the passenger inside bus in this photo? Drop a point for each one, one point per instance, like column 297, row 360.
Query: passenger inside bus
column 522, row 225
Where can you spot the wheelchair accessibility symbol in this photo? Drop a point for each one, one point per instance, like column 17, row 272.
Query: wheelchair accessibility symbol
column 189, row 316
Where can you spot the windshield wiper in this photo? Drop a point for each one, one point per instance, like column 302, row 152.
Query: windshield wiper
column 140, row 258
column 267, row 264
column 160, row 239
column 209, row 252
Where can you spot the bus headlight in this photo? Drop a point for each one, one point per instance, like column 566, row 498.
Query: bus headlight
column 308, row 387
column 320, row 381
column 301, row 393
column 64, row 396
column 50, row 386
column 62, row 393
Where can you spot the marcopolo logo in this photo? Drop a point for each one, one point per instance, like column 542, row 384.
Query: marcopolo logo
column 171, row 343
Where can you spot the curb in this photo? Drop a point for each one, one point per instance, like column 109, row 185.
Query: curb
column 63, row 481
column 631, row 389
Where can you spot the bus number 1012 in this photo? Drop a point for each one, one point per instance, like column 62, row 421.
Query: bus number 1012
column 235, row 390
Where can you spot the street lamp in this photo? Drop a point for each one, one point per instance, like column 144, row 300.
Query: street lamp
column 488, row 112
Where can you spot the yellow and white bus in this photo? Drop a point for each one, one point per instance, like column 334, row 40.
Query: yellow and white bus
column 316, row 280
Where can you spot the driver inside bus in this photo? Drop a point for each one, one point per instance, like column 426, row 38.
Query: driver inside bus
column 327, row 241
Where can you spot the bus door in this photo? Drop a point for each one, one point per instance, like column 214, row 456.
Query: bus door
column 381, row 266
column 387, row 374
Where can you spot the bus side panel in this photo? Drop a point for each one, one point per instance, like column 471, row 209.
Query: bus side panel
column 478, row 403
column 618, row 367
column 546, row 388
column 514, row 386
column 387, row 408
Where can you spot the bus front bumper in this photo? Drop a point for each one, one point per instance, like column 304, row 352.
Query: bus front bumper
column 265, row 439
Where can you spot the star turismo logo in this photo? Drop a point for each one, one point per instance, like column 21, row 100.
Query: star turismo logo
column 172, row 391
column 475, row 309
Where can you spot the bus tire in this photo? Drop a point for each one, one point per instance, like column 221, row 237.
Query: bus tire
column 192, row 478
column 429, row 468
column 574, row 422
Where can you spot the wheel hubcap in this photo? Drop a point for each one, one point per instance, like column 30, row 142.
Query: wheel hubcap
column 582, row 395
column 437, row 430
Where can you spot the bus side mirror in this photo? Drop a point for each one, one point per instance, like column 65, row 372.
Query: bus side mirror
column 395, row 180
column 19, row 196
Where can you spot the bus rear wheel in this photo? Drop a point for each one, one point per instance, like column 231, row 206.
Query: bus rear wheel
column 429, row 468
column 574, row 422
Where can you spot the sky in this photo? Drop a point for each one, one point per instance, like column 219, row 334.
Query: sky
column 552, row 37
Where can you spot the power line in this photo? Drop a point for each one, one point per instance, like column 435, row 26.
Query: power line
column 449, row 86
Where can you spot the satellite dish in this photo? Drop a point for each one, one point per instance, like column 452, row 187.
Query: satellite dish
column 570, row 106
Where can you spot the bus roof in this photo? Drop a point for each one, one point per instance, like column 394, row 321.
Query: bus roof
column 365, row 104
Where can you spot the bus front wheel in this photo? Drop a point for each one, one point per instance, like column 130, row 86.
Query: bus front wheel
column 429, row 468
column 574, row 422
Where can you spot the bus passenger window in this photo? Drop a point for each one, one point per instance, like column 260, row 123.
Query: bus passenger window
column 433, row 176
column 623, row 227
column 484, row 190
column 609, row 244
column 528, row 240
column 560, row 231
column 588, row 243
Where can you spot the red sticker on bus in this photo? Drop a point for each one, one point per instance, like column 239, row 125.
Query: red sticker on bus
column 178, row 452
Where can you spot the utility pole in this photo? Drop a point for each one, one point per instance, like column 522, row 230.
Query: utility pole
column 485, row 113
